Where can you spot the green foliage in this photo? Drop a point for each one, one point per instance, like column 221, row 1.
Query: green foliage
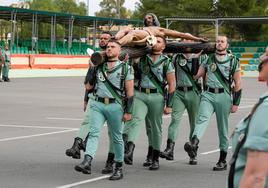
column 64, row 6
column 109, row 9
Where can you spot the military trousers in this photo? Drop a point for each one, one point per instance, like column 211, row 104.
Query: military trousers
column 84, row 129
column 5, row 70
column 148, row 108
column 219, row 103
column 99, row 114
column 188, row 100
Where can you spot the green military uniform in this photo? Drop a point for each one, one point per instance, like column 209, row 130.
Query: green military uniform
column 257, row 138
column 186, row 96
column 5, row 71
column 110, row 112
column 149, row 99
column 217, row 97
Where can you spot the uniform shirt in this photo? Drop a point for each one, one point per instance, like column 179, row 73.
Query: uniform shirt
column 157, row 69
column 223, row 65
column 257, row 138
column 114, row 77
column 182, row 79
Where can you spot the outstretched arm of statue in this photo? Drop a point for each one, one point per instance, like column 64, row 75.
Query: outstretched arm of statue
column 176, row 34
column 122, row 33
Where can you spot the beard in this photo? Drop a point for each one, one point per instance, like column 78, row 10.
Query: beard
column 103, row 47
column 221, row 50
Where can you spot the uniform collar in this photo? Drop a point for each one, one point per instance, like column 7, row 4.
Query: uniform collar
column 158, row 61
column 116, row 66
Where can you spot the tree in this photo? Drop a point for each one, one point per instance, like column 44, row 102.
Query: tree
column 109, row 9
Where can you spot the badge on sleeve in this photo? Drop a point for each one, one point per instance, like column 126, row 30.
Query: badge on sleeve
column 213, row 67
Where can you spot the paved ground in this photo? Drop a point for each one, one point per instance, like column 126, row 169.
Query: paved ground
column 40, row 116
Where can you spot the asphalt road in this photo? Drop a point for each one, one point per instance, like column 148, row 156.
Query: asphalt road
column 39, row 118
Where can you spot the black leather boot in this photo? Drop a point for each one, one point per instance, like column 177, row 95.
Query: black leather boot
column 155, row 162
column 125, row 139
column 168, row 153
column 85, row 166
column 84, row 144
column 118, row 172
column 128, row 158
column 74, row 151
column 221, row 164
column 193, row 161
column 109, row 164
column 148, row 160
column 192, row 147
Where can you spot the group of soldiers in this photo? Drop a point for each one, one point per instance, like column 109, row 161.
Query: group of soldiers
column 127, row 93
column 4, row 63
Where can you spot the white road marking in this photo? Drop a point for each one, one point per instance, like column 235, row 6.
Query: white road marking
column 35, row 135
column 36, row 127
column 84, row 182
column 213, row 151
column 68, row 119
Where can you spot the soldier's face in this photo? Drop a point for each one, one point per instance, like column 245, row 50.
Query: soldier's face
column 104, row 39
column 160, row 45
column 112, row 50
column 149, row 20
column 221, row 43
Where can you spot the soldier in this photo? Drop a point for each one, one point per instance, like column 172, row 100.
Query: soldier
column 5, row 71
column 187, row 96
column 152, row 73
column 80, row 139
column 223, row 71
column 249, row 167
column 113, row 79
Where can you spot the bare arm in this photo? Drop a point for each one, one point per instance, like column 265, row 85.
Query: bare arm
column 176, row 34
column 122, row 33
column 256, row 170
column 129, row 84
column 237, row 87
column 171, row 80
column 237, row 80
column 201, row 73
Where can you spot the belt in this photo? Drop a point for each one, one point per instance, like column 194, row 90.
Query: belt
column 105, row 100
column 146, row 90
column 185, row 88
column 215, row 90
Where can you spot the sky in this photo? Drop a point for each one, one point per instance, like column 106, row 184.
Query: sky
column 94, row 4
